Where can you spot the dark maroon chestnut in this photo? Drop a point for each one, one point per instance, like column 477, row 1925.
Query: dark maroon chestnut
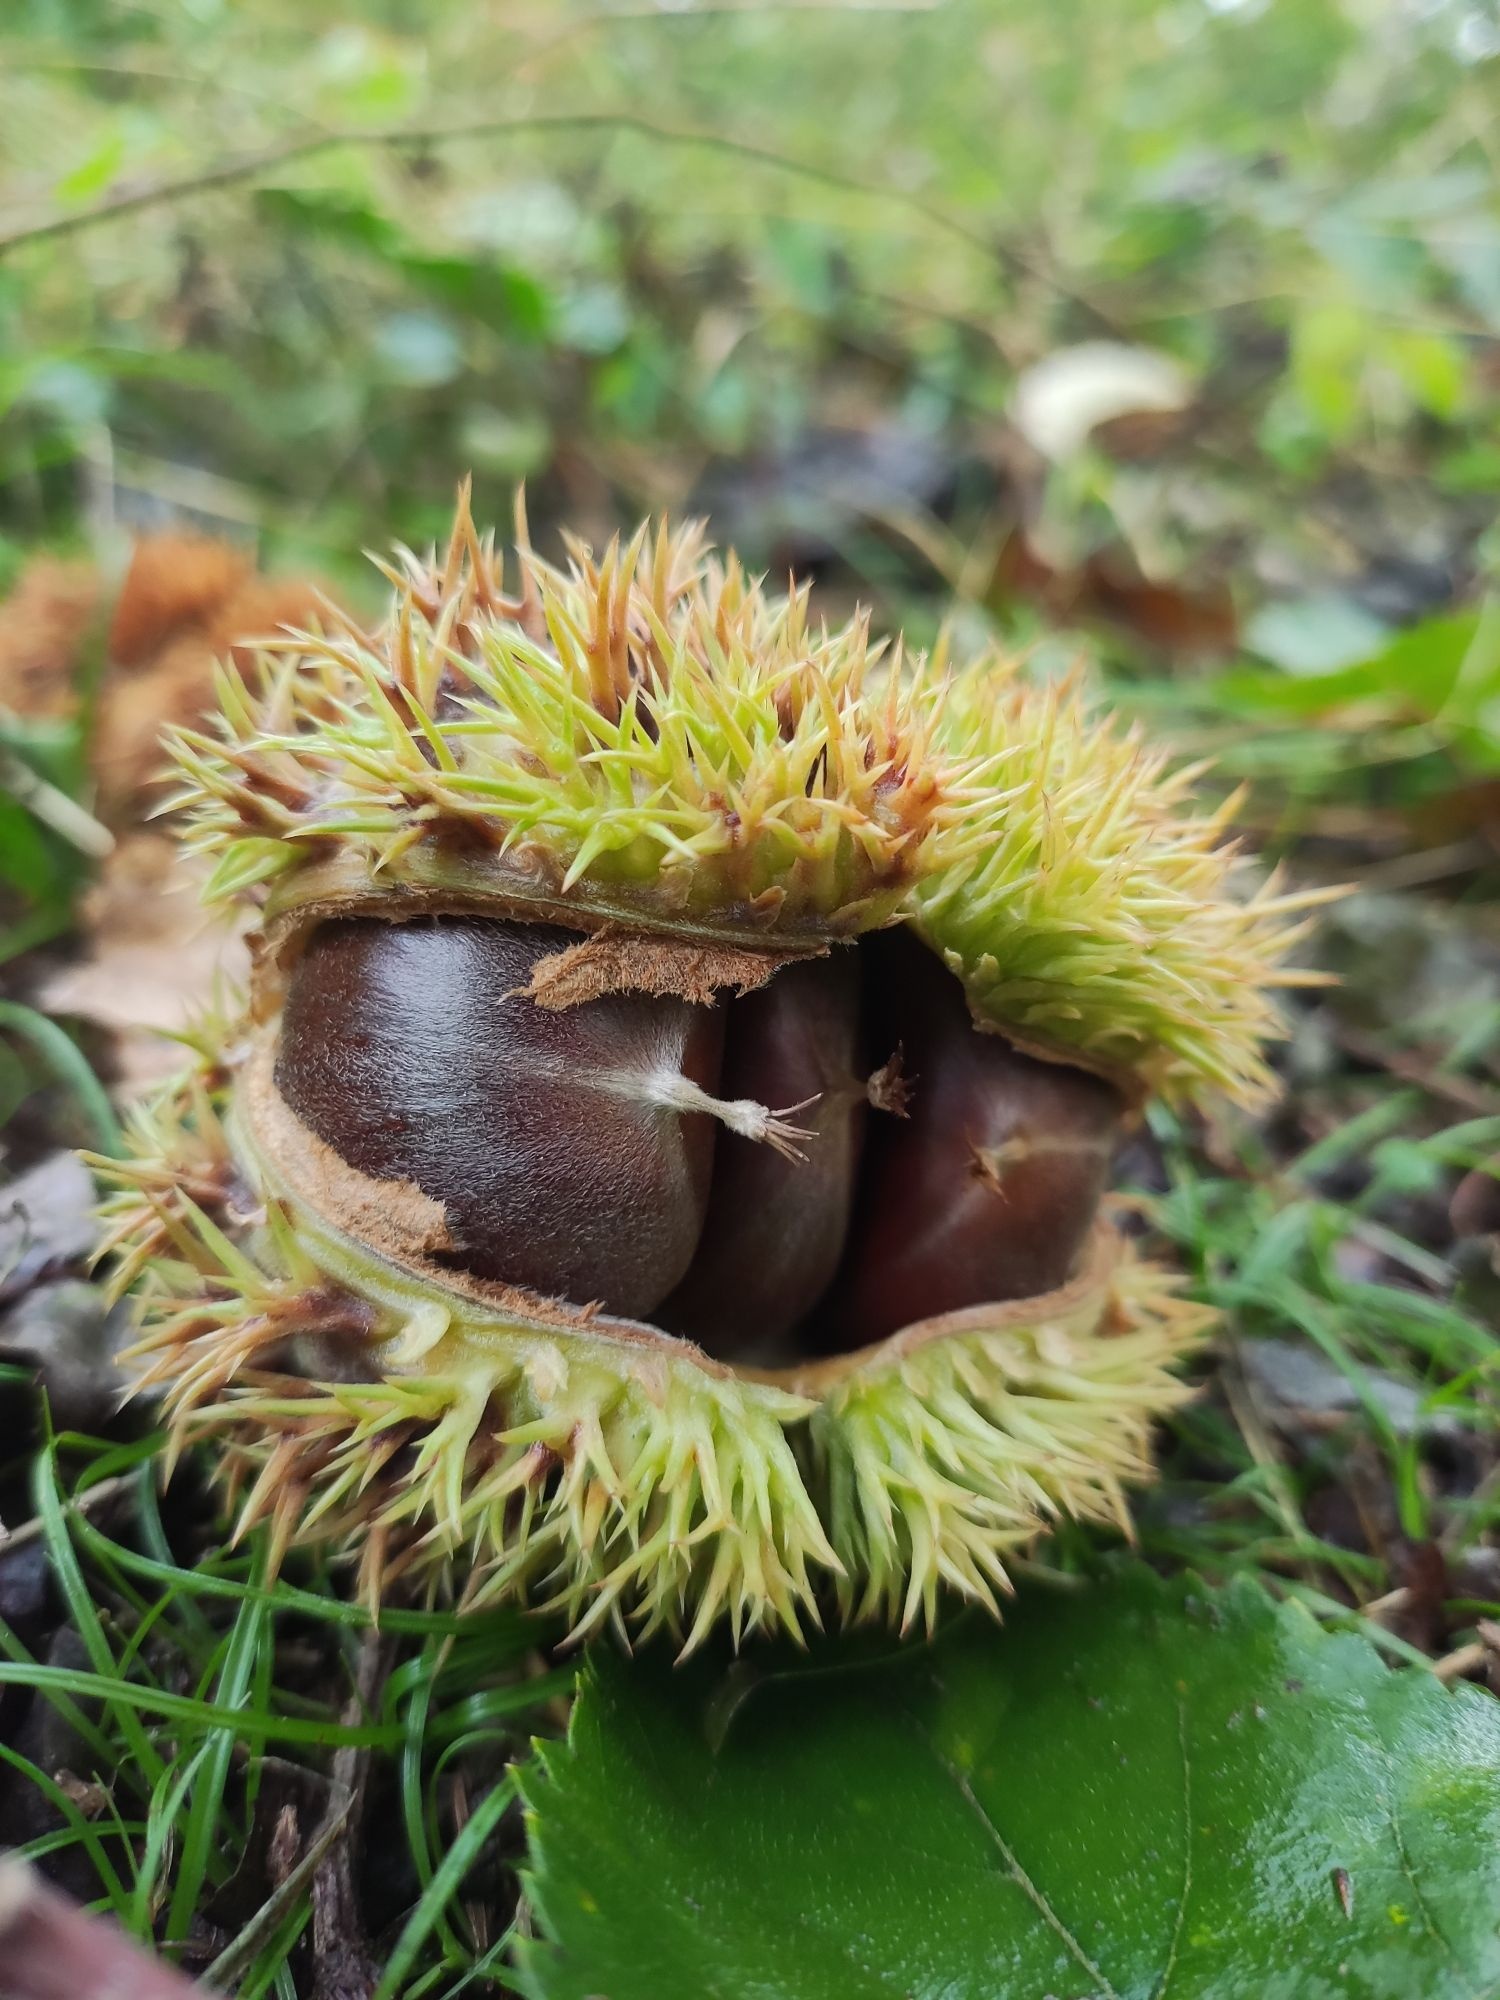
column 776, row 1222
column 986, row 1189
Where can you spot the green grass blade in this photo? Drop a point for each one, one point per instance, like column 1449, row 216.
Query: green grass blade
column 66, row 1061
column 444, row 1886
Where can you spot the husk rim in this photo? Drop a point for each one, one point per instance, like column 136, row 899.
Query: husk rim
column 611, row 1478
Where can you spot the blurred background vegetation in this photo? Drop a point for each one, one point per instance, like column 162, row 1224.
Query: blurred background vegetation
column 1164, row 331
column 291, row 268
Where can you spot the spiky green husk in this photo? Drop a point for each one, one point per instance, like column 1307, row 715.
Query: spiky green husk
column 938, row 1463
column 1090, row 909
column 647, row 733
column 654, row 738
column 611, row 1479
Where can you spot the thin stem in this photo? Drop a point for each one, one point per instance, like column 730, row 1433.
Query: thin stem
column 251, row 166
column 54, row 808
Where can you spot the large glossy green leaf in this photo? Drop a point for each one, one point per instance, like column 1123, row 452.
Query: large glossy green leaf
column 1146, row 1791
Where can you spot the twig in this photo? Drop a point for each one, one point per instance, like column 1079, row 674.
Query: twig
column 54, row 808
column 1462, row 1661
column 1429, row 864
column 251, row 166
column 344, row 1964
column 1409, row 1066
column 1381, row 1608
column 233, row 1961
column 85, row 1503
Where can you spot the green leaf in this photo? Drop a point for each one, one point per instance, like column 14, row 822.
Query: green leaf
column 1416, row 674
column 1143, row 1789
column 1314, row 635
column 1330, row 343
column 1432, row 368
column 59, row 1053
column 94, row 175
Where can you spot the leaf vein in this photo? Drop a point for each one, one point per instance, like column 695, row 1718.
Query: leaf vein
column 1187, row 1852
column 1388, row 1800
column 1020, row 1877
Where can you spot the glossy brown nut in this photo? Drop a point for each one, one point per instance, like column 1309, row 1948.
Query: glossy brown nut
column 577, row 1152
column 987, row 1189
column 776, row 1225
column 410, row 1051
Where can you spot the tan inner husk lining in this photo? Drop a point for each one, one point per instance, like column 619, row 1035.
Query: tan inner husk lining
column 525, row 887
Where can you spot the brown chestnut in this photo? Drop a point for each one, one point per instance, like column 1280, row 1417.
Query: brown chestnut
column 776, row 1222
column 987, row 1187
column 635, row 1149
column 410, row 1049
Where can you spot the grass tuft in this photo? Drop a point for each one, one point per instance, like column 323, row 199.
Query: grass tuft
column 211, row 1707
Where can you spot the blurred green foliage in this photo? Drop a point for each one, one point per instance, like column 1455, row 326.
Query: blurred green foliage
column 602, row 248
